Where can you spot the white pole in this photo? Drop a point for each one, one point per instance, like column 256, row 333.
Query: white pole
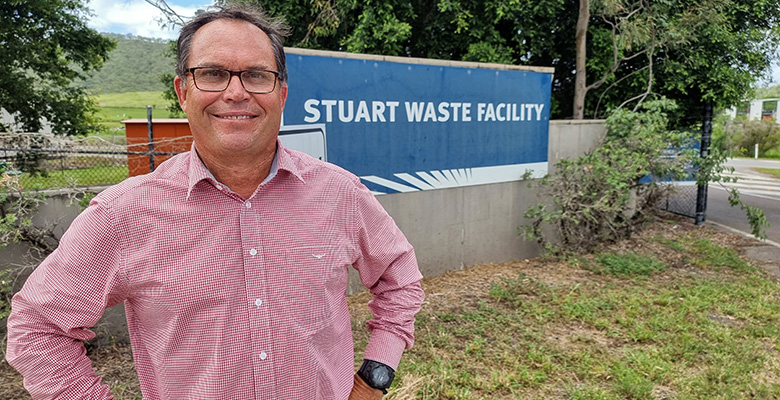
column 756, row 152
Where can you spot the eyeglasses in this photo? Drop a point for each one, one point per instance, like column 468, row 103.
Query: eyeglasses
column 213, row 79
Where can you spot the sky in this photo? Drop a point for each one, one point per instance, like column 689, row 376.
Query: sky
column 138, row 17
column 141, row 19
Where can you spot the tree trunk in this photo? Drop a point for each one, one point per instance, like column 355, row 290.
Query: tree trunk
column 580, row 81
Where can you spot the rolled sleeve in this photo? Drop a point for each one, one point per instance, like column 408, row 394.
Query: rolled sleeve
column 388, row 268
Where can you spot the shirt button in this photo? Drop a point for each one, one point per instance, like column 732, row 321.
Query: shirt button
column 253, row 252
column 259, row 302
column 263, row 356
column 219, row 187
column 248, row 204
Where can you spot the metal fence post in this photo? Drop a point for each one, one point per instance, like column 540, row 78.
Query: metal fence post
column 706, row 138
column 151, row 137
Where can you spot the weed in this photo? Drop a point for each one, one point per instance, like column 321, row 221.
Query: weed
column 586, row 392
column 673, row 244
column 513, row 291
column 630, row 384
column 711, row 255
column 125, row 392
column 628, row 264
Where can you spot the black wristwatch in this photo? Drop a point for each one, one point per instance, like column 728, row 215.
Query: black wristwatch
column 377, row 375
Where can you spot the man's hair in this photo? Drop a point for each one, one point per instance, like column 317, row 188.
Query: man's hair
column 274, row 28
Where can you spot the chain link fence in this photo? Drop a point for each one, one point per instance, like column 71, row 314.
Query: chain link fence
column 45, row 161
column 681, row 200
column 683, row 196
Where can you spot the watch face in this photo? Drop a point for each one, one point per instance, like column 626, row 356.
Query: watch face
column 380, row 376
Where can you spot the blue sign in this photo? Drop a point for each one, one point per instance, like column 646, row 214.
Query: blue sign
column 691, row 145
column 410, row 126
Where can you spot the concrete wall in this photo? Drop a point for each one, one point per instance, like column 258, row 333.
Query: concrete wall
column 450, row 229
column 455, row 228
column 57, row 212
column 572, row 138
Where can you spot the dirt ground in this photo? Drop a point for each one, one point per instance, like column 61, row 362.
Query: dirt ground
column 115, row 365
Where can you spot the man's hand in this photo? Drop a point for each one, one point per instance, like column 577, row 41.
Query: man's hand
column 361, row 391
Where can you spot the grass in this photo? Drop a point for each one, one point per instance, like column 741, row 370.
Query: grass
column 132, row 99
column 673, row 314
column 6, row 291
column 627, row 264
column 637, row 328
column 94, row 176
column 116, row 107
column 118, row 114
column 770, row 171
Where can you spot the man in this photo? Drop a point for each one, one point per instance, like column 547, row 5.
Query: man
column 231, row 259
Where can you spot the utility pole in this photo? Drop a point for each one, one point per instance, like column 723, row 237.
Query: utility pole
column 704, row 152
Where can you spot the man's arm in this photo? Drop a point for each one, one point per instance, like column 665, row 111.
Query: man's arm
column 361, row 391
column 388, row 268
column 66, row 294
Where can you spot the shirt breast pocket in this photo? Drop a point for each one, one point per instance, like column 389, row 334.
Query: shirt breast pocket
column 317, row 276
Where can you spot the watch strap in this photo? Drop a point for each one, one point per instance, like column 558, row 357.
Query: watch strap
column 371, row 371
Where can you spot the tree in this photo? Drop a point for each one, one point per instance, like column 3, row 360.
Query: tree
column 580, row 88
column 729, row 54
column 768, row 92
column 692, row 51
column 46, row 47
column 602, row 196
column 688, row 51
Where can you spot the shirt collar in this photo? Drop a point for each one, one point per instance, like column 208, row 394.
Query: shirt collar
column 287, row 163
column 282, row 162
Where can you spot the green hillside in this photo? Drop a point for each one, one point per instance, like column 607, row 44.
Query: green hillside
column 134, row 66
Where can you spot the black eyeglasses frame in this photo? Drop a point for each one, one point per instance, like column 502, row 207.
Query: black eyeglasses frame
column 232, row 74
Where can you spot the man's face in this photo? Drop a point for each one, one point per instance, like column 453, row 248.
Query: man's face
column 234, row 122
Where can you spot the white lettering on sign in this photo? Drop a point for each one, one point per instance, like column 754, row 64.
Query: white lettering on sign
column 364, row 111
column 374, row 111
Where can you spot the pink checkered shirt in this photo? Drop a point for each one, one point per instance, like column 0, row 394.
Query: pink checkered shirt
column 225, row 298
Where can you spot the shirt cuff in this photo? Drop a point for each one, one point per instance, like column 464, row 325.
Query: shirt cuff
column 385, row 347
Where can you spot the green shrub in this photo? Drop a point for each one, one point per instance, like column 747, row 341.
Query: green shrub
column 744, row 134
column 606, row 195
column 599, row 197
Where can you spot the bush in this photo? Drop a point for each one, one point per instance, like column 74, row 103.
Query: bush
column 745, row 134
column 598, row 197
column 604, row 196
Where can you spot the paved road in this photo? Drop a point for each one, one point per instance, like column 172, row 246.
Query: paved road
column 756, row 189
column 746, row 163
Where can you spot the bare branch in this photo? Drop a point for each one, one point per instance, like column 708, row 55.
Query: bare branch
column 173, row 18
column 613, row 84
column 616, row 61
column 650, row 54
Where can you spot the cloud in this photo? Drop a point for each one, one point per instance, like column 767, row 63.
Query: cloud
column 136, row 17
